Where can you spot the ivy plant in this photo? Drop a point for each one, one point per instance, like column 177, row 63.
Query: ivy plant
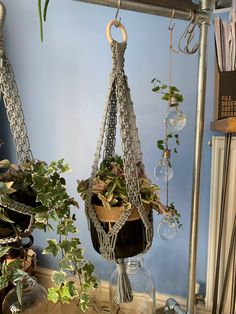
column 171, row 141
column 45, row 184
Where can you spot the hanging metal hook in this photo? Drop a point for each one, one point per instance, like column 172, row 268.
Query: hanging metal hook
column 171, row 28
column 171, row 24
column 117, row 12
column 188, row 35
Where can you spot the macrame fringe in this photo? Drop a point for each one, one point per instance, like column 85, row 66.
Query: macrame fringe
column 124, row 290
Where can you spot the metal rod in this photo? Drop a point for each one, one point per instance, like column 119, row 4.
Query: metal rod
column 222, row 218
column 150, row 9
column 199, row 128
column 231, row 255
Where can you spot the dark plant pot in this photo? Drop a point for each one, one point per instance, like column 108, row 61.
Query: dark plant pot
column 131, row 239
column 22, row 221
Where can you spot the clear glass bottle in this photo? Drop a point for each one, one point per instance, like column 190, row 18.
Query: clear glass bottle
column 143, row 289
column 34, row 299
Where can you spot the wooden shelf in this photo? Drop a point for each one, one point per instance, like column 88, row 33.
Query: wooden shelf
column 227, row 125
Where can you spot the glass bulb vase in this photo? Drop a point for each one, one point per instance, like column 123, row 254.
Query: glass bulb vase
column 143, row 290
column 34, row 299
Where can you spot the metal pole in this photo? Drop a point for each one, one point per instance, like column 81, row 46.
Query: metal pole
column 199, row 128
column 138, row 6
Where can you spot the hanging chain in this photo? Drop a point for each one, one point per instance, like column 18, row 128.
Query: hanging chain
column 11, row 99
column 14, row 110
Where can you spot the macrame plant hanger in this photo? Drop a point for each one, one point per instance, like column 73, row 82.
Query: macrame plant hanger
column 119, row 104
column 11, row 99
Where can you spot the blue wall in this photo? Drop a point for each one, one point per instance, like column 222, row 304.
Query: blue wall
column 63, row 87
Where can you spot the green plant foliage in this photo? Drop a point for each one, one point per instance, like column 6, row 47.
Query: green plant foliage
column 171, row 140
column 109, row 187
column 42, row 12
column 44, row 185
column 174, row 214
column 166, row 91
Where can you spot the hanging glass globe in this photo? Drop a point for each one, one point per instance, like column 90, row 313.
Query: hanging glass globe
column 163, row 172
column 176, row 119
column 167, row 229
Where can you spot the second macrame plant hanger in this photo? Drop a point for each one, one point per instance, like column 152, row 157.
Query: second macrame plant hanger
column 16, row 120
column 119, row 105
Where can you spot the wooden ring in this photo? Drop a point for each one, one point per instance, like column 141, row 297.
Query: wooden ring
column 120, row 26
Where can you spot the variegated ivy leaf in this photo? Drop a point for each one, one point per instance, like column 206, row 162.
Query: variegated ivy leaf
column 5, row 163
column 6, row 187
column 53, row 295
column 52, row 248
column 4, row 250
column 58, row 277
column 3, row 282
column 4, row 217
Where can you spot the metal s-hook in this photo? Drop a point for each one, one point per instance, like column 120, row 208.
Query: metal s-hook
column 171, row 24
column 188, row 35
column 171, row 28
column 117, row 12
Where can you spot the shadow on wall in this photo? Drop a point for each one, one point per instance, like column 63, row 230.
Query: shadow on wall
column 6, row 150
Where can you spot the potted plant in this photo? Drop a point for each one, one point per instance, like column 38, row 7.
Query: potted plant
column 43, row 188
column 110, row 200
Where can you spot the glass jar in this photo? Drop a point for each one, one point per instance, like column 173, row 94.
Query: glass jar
column 143, row 289
column 34, row 299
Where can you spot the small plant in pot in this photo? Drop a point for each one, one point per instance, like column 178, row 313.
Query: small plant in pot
column 43, row 188
column 110, row 199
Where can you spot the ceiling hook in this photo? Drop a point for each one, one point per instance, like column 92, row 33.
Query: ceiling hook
column 188, row 36
column 117, row 12
column 171, row 24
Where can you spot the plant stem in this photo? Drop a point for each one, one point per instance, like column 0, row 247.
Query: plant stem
column 40, row 19
column 45, row 10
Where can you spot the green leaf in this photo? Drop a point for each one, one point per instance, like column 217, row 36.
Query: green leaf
column 58, row 277
column 66, row 264
column 84, row 300
column 19, row 291
column 161, row 147
column 176, row 135
column 52, row 248
column 65, row 245
column 160, row 142
column 4, row 217
column 53, row 295
column 4, row 250
column 6, row 187
column 156, row 89
column 165, row 96
column 175, row 151
column 65, row 295
column 3, row 282
column 5, row 163
column 174, row 89
column 38, row 182
column 164, row 86
column 72, row 289
column 169, row 135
